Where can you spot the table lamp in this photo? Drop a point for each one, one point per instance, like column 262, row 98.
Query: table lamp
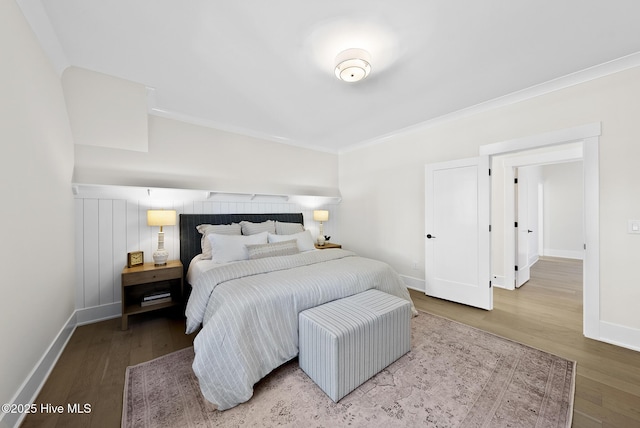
column 321, row 216
column 161, row 218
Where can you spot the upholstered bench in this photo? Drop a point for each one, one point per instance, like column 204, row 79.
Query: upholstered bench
column 345, row 342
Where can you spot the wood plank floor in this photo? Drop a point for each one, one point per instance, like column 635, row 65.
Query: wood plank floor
column 92, row 367
column 545, row 313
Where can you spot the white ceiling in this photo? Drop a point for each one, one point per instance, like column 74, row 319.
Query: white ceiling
column 265, row 68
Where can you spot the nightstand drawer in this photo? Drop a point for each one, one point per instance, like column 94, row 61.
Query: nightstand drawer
column 151, row 276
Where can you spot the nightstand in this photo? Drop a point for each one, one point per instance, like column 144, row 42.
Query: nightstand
column 149, row 288
column 328, row 245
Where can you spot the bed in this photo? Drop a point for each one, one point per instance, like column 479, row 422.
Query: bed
column 246, row 311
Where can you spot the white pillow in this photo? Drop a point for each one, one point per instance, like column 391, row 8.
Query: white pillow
column 220, row 229
column 283, row 228
column 231, row 248
column 304, row 240
column 274, row 249
column 249, row 228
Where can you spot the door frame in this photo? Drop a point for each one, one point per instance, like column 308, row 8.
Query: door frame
column 510, row 164
column 589, row 136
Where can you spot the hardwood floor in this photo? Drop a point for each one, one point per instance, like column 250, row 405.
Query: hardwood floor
column 545, row 313
column 92, row 367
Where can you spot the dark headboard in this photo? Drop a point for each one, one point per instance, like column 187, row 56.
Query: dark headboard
column 190, row 237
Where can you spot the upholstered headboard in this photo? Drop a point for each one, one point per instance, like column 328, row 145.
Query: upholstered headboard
column 190, row 237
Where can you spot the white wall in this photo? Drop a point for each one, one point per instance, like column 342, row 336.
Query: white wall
column 37, row 205
column 187, row 156
column 178, row 156
column 563, row 210
column 106, row 229
column 383, row 185
column 106, row 111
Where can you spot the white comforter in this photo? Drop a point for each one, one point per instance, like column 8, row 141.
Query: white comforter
column 249, row 313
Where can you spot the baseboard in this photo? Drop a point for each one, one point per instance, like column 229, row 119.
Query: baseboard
column 34, row 382
column 498, row 281
column 98, row 313
column 620, row 335
column 565, row 254
column 413, row 283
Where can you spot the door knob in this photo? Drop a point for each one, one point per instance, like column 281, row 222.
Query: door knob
column 529, row 231
column 429, row 236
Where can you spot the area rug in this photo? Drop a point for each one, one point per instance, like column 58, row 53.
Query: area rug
column 454, row 376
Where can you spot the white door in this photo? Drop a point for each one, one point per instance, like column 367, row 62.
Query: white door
column 526, row 215
column 522, row 227
column 457, row 238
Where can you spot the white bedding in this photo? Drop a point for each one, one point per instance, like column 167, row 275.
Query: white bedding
column 249, row 313
column 199, row 265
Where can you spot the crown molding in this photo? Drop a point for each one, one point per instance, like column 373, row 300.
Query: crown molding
column 586, row 75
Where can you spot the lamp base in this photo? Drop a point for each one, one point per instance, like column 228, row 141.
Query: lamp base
column 320, row 240
column 160, row 257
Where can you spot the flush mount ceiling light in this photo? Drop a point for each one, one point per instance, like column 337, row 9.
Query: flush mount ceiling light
column 353, row 65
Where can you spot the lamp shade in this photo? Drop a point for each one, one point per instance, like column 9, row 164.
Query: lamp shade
column 161, row 218
column 321, row 215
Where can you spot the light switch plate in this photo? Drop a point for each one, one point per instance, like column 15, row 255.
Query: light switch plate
column 633, row 226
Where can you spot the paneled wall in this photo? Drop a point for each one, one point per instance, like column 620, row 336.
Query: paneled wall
column 106, row 229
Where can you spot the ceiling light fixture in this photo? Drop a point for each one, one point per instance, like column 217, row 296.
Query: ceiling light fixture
column 353, row 65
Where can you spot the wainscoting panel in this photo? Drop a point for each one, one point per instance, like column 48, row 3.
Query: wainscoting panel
column 107, row 229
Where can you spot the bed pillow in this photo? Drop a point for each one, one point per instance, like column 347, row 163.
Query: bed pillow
column 304, row 240
column 284, row 248
column 220, row 229
column 232, row 248
column 249, row 228
column 283, row 228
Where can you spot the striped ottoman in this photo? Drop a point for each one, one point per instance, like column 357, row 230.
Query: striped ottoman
column 345, row 342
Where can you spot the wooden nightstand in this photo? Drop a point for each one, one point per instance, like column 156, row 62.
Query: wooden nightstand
column 328, row 245
column 148, row 279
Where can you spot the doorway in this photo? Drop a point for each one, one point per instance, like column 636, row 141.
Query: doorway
column 587, row 137
column 522, row 173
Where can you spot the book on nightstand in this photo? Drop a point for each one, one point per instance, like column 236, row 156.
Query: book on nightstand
column 156, row 298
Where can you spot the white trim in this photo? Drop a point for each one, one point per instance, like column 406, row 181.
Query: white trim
column 565, row 254
column 591, row 265
column 34, row 382
column 498, row 281
column 555, row 156
column 414, row 283
column 552, row 138
column 141, row 193
column 552, row 157
column 588, row 134
column 98, row 313
column 620, row 335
